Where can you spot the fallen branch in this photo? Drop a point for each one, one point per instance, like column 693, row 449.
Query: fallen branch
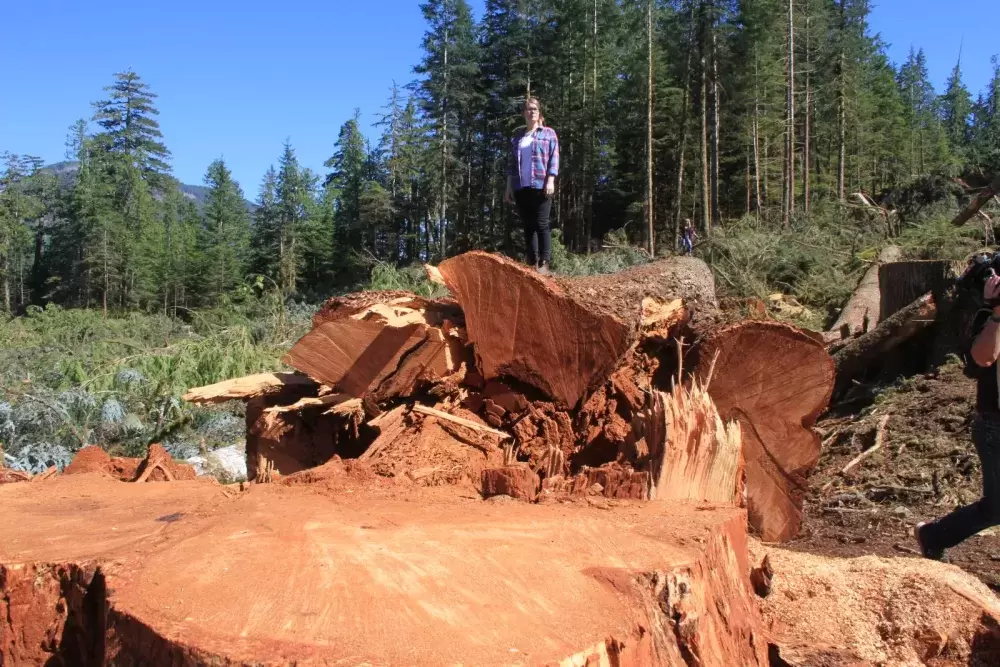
column 977, row 203
column 879, row 439
column 424, row 410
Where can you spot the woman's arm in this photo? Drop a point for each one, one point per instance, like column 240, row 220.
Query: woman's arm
column 552, row 170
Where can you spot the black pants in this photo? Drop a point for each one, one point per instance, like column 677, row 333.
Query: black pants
column 965, row 522
column 533, row 206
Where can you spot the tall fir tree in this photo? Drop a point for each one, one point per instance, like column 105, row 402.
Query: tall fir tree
column 224, row 240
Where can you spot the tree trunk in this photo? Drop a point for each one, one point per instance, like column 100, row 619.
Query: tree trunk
column 756, row 139
column 444, row 152
column 706, row 206
column 681, row 148
column 789, row 186
column 902, row 283
column 842, row 107
column 651, row 246
column 862, row 311
column 869, row 351
column 582, row 326
column 978, row 202
column 716, row 213
column 776, row 404
column 806, row 152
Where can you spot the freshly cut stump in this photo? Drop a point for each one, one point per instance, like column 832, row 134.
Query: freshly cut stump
column 564, row 336
column 902, row 283
column 776, row 394
column 282, row 575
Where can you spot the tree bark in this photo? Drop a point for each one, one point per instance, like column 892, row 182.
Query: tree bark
column 806, row 153
column 789, row 186
column 716, row 213
column 862, row 311
column 901, row 283
column 706, row 206
column 842, row 106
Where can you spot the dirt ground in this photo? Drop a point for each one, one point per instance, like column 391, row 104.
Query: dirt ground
column 925, row 467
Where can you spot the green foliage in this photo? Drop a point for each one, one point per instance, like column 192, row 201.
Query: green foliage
column 618, row 255
column 387, row 276
column 74, row 377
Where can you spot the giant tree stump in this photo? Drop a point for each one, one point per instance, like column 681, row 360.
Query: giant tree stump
column 161, row 575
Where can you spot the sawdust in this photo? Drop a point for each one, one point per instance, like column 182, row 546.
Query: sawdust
column 892, row 612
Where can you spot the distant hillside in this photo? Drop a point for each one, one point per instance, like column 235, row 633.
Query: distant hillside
column 65, row 171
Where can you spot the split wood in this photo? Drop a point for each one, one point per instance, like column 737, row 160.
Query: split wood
column 150, row 467
column 424, row 410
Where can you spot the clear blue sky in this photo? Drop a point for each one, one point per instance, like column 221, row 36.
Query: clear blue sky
column 236, row 79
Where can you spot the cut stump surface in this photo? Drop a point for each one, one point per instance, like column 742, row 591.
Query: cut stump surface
column 776, row 394
column 284, row 575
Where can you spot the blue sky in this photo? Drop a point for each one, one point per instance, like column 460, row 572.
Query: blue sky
column 236, row 79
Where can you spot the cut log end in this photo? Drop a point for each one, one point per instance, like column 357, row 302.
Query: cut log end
column 776, row 394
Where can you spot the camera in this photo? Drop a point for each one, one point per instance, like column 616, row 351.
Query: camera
column 981, row 267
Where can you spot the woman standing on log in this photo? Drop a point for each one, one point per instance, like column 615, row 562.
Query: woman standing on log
column 532, row 166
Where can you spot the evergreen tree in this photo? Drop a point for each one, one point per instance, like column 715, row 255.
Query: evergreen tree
column 223, row 243
column 130, row 128
column 450, row 67
column 345, row 184
column 265, row 232
column 956, row 111
column 290, row 194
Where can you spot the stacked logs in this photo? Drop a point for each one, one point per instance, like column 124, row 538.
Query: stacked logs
column 622, row 386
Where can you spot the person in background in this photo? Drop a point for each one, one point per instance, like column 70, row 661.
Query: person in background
column 687, row 238
column 950, row 530
column 532, row 167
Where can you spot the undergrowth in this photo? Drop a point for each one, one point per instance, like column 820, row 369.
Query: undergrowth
column 820, row 259
column 70, row 378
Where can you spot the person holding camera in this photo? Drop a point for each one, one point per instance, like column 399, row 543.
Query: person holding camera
column 936, row 536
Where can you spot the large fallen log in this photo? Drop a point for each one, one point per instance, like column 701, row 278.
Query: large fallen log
column 977, row 202
column 563, row 336
column 862, row 310
column 865, row 352
column 775, row 381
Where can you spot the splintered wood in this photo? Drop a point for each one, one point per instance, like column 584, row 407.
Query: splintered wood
column 243, row 388
column 697, row 456
column 385, row 350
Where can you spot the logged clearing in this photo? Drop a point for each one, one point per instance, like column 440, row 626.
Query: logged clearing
column 532, row 471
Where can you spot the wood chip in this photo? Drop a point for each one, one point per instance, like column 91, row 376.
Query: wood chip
column 424, row 410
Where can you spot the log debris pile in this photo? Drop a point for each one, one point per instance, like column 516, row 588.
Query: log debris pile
column 625, row 386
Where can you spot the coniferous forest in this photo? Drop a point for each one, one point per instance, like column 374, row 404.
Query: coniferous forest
column 727, row 113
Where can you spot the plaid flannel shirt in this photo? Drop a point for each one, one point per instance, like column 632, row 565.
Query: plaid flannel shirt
column 544, row 157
